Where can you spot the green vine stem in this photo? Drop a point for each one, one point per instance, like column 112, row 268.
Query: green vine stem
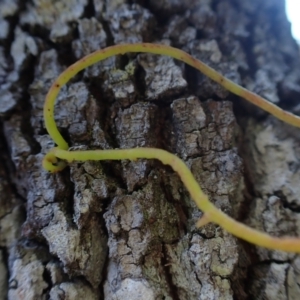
column 56, row 159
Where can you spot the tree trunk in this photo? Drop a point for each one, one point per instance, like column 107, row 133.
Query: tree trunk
column 126, row 229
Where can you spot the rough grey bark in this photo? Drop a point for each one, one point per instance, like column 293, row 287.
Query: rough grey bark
column 126, row 230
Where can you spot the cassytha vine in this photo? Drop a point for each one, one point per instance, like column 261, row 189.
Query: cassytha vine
column 56, row 159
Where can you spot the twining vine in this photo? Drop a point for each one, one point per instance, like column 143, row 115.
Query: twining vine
column 57, row 158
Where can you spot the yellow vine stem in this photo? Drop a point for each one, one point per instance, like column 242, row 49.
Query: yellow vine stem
column 56, row 159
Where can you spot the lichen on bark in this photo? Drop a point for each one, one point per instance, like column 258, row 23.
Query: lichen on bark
column 119, row 230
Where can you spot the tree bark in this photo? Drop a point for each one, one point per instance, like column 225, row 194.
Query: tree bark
column 126, row 230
